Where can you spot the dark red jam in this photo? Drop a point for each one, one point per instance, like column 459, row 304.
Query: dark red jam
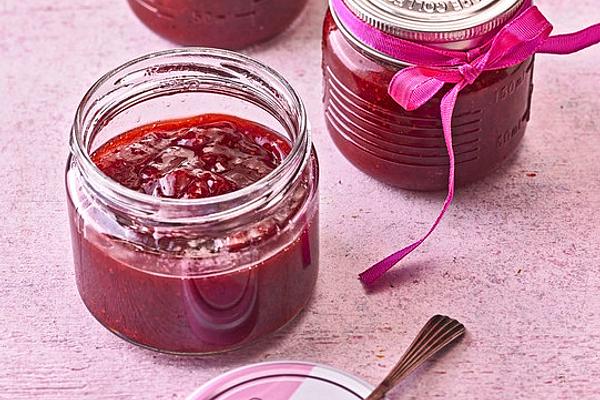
column 407, row 149
column 159, row 289
column 229, row 24
column 205, row 156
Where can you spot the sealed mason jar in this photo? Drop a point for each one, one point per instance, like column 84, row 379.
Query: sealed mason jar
column 193, row 275
column 406, row 148
column 229, row 24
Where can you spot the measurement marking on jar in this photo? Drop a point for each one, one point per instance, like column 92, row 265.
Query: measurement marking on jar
column 508, row 135
column 511, row 87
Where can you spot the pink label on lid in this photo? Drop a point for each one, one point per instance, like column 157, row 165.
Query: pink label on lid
column 283, row 381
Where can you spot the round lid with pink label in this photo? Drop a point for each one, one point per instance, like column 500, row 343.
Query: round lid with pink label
column 284, row 381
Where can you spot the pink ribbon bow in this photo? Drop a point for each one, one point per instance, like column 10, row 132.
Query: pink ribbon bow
column 526, row 34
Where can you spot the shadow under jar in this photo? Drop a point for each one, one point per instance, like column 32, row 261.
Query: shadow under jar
column 406, row 148
column 229, row 24
column 194, row 275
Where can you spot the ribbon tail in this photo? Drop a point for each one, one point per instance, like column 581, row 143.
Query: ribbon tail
column 373, row 274
column 571, row 42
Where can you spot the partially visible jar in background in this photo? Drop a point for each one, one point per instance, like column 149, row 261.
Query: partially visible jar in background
column 406, row 148
column 193, row 235
column 226, row 24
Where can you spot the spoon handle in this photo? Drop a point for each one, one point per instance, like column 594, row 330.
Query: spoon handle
column 437, row 333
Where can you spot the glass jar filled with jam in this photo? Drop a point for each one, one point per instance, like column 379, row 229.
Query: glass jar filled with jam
column 229, row 24
column 193, row 200
column 407, row 148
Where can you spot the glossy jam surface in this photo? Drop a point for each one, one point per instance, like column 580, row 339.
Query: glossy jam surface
column 155, row 287
column 407, row 149
column 198, row 157
column 229, row 24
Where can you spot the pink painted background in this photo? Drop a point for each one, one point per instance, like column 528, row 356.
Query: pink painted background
column 517, row 260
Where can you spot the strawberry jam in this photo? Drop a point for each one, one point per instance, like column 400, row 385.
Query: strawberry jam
column 193, row 158
column 196, row 287
column 228, row 24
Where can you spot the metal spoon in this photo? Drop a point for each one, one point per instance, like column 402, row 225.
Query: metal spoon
column 439, row 332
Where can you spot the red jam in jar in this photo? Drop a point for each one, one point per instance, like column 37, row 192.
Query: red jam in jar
column 192, row 235
column 229, row 24
column 406, row 148
column 192, row 158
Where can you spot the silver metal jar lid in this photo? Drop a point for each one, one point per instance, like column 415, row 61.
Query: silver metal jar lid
column 436, row 21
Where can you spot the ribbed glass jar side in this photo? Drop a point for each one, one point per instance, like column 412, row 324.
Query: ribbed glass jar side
column 406, row 148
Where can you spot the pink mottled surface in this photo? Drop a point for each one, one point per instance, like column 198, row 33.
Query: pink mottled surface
column 517, row 259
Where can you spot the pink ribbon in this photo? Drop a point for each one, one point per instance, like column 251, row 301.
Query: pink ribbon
column 526, row 34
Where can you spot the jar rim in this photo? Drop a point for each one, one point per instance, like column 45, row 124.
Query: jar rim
column 301, row 146
column 455, row 22
column 354, row 41
column 466, row 32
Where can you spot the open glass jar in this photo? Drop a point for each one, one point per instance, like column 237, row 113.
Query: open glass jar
column 407, row 148
column 229, row 24
column 193, row 275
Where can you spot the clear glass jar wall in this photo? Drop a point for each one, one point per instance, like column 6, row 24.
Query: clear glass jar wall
column 193, row 275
